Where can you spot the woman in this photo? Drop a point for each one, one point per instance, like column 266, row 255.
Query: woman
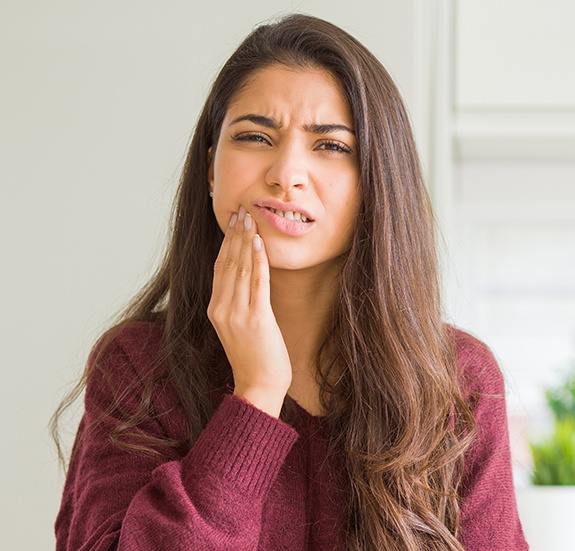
column 285, row 381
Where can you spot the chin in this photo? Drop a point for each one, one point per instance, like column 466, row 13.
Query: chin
column 311, row 264
column 284, row 263
column 291, row 257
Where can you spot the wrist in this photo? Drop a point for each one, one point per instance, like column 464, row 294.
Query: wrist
column 268, row 400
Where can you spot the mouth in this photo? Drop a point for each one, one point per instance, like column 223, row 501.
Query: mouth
column 291, row 215
column 289, row 219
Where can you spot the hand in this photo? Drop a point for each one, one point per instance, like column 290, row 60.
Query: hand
column 241, row 312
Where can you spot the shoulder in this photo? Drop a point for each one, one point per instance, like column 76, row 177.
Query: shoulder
column 477, row 367
column 128, row 381
column 489, row 518
column 124, row 359
column 137, row 343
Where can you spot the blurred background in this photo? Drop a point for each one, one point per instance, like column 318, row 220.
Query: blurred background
column 97, row 105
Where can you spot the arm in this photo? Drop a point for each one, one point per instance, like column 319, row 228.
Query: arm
column 489, row 518
column 211, row 498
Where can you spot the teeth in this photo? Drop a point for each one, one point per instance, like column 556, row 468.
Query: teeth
column 290, row 215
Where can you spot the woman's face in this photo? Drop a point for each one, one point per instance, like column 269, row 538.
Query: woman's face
column 287, row 153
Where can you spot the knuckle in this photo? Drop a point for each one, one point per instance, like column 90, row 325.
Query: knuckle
column 215, row 314
column 243, row 271
column 259, row 282
column 212, row 311
column 230, row 263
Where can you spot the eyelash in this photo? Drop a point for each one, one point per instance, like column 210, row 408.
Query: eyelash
column 341, row 148
column 260, row 138
column 250, row 137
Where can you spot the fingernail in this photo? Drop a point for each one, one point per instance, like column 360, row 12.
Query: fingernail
column 233, row 220
column 241, row 213
column 257, row 242
column 248, row 222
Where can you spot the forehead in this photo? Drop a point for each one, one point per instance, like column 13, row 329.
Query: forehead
column 283, row 91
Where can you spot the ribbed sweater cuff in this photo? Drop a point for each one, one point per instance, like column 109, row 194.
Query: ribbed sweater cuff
column 243, row 445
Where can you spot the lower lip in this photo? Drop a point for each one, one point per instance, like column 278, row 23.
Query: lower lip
column 283, row 225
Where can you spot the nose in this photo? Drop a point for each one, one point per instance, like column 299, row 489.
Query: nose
column 288, row 169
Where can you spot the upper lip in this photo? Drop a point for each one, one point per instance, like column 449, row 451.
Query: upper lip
column 276, row 204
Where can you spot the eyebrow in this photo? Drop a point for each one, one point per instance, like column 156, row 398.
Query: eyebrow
column 270, row 122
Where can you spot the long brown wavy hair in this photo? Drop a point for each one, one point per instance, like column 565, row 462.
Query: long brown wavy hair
column 387, row 369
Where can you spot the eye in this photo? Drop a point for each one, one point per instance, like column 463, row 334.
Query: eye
column 333, row 146
column 251, row 137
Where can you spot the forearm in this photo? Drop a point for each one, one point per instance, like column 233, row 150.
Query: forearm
column 210, row 499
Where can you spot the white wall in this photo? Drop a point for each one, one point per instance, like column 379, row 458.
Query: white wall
column 516, row 258
column 514, row 54
column 97, row 103
column 513, row 192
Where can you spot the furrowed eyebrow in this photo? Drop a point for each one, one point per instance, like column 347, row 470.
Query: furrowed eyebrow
column 269, row 122
column 260, row 120
column 327, row 128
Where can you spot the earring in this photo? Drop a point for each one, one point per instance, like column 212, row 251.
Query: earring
column 211, row 194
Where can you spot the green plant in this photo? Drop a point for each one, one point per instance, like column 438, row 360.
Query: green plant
column 554, row 455
column 561, row 399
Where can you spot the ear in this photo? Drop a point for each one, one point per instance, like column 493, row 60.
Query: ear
column 211, row 168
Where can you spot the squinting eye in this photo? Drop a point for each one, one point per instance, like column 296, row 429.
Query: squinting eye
column 250, row 137
column 335, row 147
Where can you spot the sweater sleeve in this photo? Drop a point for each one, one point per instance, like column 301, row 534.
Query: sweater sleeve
column 210, row 498
column 489, row 517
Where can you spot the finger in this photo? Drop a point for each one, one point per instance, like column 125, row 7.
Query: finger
column 242, row 289
column 230, row 265
column 260, row 280
column 219, row 265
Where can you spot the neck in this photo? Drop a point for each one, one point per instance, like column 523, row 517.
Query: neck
column 303, row 306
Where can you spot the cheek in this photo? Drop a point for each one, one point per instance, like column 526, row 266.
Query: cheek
column 344, row 196
column 220, row 216
column 230, row 165
column 234, row 174
column 348, row 211
column 220, row 206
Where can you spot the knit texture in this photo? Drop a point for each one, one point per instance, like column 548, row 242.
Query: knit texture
column 250, row 482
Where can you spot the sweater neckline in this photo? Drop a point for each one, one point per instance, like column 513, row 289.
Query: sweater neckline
column 304, row 413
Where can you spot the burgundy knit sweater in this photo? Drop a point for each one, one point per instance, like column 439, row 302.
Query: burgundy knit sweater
column 251, row 482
